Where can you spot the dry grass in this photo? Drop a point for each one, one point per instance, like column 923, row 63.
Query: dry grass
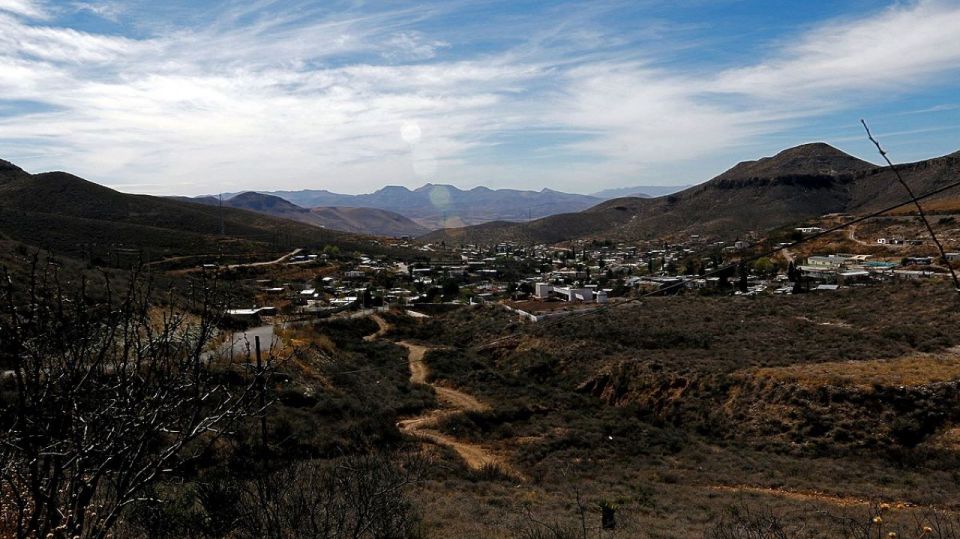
column 948, row 440
column 303, row 337
column 938, row 205
column 910, row 370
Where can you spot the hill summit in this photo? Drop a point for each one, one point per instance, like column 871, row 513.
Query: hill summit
column 813, row 159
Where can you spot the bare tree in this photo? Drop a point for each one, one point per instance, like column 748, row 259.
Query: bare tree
column 743, row 522
column 354, row 497
column 103, row 398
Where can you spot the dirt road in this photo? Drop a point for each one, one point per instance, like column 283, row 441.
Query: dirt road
column 383, row 326
column 231, row 266
column 424, row 426
column 852, row 235
column 268, row 262
column 454, row 402
column 452, row 398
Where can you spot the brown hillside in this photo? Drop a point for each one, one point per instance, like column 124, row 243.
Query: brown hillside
column 75, row 217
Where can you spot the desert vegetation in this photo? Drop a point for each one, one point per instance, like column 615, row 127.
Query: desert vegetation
column 723, row 417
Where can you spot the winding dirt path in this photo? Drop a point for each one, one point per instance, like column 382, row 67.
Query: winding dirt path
column 382, row 325
column 424, row 426
column 453, row 399
column 454, row 402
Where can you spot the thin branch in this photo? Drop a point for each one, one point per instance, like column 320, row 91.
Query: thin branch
column 916, row 202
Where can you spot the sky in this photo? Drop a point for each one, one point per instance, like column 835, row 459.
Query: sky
column 207, row 96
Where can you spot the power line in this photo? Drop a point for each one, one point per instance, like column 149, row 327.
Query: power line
column 922, row 215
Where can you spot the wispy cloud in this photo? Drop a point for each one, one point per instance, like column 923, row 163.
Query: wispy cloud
column 893, row 51
column 110, row 11
column 24, row 8
column 406, row 46
column 279, row 94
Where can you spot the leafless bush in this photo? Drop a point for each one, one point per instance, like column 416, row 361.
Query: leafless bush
column 877, row 521
column 742, row 522
column 352, row 497
column 101, row 399
column 599, row 522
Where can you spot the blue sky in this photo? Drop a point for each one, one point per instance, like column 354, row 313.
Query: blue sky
column 197, row 97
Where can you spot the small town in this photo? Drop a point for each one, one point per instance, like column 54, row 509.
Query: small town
column 540, row 281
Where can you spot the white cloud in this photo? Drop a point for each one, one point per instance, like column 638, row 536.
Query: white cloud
column 45, row 43
column 406, row 46
column 24, row 8
column 894, row 50
column 292, row 101
column 110, row 11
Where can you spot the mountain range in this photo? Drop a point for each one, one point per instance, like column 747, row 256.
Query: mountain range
column 435, row 206
column 71, row 216
column 796, row 184
column 369, row 221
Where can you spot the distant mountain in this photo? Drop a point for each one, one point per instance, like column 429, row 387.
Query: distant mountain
column 70, row 216
column 369, row 221
column 438, row 206
column 794, row 185
column 639, row 191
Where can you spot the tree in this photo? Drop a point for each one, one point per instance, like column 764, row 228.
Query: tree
column 764, row 266
column 107, row 398
column 331, row 250
column 450, row 289
column 432, row 294
column 366, row 298
column 793, row 274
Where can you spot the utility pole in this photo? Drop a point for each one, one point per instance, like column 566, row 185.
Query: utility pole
column 262, row 382
column 222, row 229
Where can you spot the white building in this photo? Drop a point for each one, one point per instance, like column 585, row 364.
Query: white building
column 574, row 294
column 542, row 290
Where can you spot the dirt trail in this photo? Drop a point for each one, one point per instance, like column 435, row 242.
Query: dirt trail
column 419, row 372
column 813, row 496
column 383, row 326
column 454, row 402
column 852, row 235
column 266, row 263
